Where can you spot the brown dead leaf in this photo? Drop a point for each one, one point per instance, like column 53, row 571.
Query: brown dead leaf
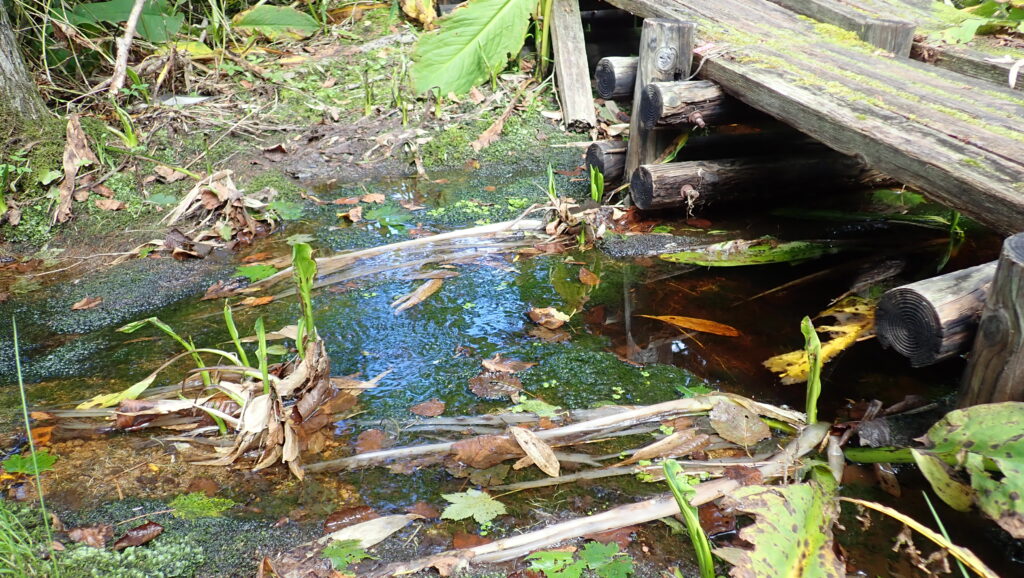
column 537, row 450
column 138, row 535
column 738, row 424
column 76, row 155
column 411, row 205
column 257, row 301
column 417, row 296
column 424, row 509
column 257, row 257
column 549, row 335
column 547, row 317
column 370, row 440
column 95, row 536
column 346, row 517
column 355, row 214
column 715, row 520
column 475, row 95
column 678, row 444
column 587, row 277
column 745, row 475
column 109, row 204
column 346, row 201
column 225, row 288
column 621, row 536
column 275, row 153
column 499, row 364
column 87, row 303
column 431, row 408
column 377, row 198
column 496, row 385
column 462, row 540
column 694, row 324
column 169, row 175
column 486, row 450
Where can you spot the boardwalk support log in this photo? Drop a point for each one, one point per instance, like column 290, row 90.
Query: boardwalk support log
column 615, row 77
column 571, row 68
column 995, row 371
column 936, row 318
column 666, row 53
column 608, row 157
column 700, row 185
column 699, row 103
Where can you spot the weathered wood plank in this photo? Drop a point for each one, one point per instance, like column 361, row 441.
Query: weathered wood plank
column 995, row 371
column 963, row 152
column 890, row 34
column 571, row 69
column 665, row 54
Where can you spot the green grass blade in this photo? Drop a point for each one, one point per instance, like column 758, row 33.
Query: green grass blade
column 684, row 492
column 813, row 347
column 229, row 320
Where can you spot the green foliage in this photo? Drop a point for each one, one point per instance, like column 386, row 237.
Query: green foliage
column 981, row 438
column 980, row 17
column 740, row 253
column 473, row 43
column 541, row 408
column 472, row 504
column 304, row 272
column 812, row 346
column 32, row 464
column 158, row 23
column 596, row 184
column 275, row 23
column 343, row 553
column 255, row 272
column 199, row 505
column 683, row 490
column 603, row 560
column 286, row 210
column 229, row 321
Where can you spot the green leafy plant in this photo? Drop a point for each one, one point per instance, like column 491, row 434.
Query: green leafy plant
column 255, row 272
column 975, row 17
column 471, row 45
column 275, row 22
column 812, row 347
column 683, row 490
column 158, row 23
column 596, row 184
column 344, row 553
column 32, row 464
column 472, row 504
column 304, row 271
column 199, row 505
column 603, row 560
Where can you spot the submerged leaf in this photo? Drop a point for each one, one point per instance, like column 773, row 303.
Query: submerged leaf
column 342, row 553
column 429, row 408
column 694, row 324
column 138, row 535
column 739, row 253
column 547, row 317
column 856, row 321
column 17, row 464
column 472, row 504
column 792, row 535
column 738, row 424
column 496, row 385
column 500, row 364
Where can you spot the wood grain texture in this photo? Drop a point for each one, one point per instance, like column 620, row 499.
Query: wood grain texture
column 686, row 104
column 889, row 34
column 615, row 77
column 571, row 70
column 995, row 371
column 609, row 157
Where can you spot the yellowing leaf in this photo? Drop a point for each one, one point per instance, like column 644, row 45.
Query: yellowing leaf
column 275, row 22
column 195, row 50
column 536, row 450
column 856, row 321
column 694, row 324
column 421, row 11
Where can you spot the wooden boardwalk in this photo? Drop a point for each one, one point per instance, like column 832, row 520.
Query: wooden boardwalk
column 959, row 140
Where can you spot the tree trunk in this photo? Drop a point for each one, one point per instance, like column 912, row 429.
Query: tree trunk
column 17, row 91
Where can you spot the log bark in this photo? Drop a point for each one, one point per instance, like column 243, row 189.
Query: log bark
column 609, row 157
column 936, row 318
column 666, row 53
column 995, row 372
column 701, row 185
column 684, row 104
column 615, row 77
column 18, row 94
column 571, row 70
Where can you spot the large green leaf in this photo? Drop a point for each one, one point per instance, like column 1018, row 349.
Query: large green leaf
column 473, row 43
column 158, row 23
column 472, row 504
column 738, row 253
column 275, row 22
column 984, row 438
column 792, row 535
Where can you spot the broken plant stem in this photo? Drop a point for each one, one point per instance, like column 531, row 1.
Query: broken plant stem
column 123, row 47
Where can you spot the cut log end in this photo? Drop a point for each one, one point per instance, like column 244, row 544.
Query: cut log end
column 907, row 322
column 651, row 108
column 604, row 78
column 641, row 187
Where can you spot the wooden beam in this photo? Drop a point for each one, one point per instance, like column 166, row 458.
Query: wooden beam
column 571, row 70
column 666, row 48
column 615, row 77
column 691, row 103
column 995, row 371
column 889, row 34
column 609, row 157
column 934, row 319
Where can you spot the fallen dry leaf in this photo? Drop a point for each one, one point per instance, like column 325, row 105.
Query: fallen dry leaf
column 257, row 301
column 694, row 324
column 549, row 335
column 373, row 198
column 275, row 153
column 168, row 174
column 462, row 540
column 370, row 440
column 138, row 535
column 346, row 517
column 346, row 201
column 621, row 536
column 257, row 257
column 355, row 214
column 87, row 303
column 424, row 509
column 676, row 444
column 421, row 11
column 499, row 364
column 411, row 205
column 76, row 155
column 417, row 296
column 547, row 317
column 109, row 204
column 431, row 408
column 95, row 536
column 738, row 424
column 587, row 277
column 496, row 385
column 486, row 450
column 225, row 288
column 537, row 450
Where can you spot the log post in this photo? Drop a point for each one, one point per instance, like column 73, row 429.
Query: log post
column 934, row 319
column 699, row 185
column 571, row 70
column 995, row 371
column 666, row 53
column 609, row 157
column 615, row 77
column 699, row 103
